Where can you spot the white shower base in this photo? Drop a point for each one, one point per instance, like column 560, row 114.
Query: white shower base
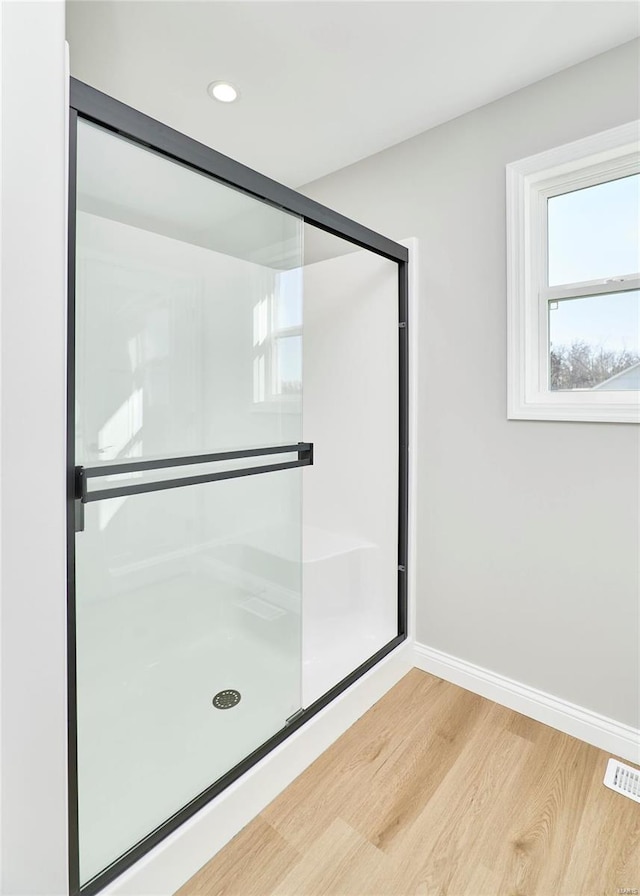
column 149, row 738
column 152, row 656
column 346, row 612
column 343, row 623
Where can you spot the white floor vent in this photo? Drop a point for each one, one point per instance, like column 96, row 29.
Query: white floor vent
column 623, row 779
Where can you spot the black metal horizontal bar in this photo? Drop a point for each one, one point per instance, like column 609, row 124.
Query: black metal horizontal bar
column 108, row 112
column 137, row 466
column 140, row 488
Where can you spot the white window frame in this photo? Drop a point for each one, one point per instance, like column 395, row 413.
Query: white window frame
column 530, row 182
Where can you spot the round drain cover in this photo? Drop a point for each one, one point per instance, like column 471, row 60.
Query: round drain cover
column 226, row 699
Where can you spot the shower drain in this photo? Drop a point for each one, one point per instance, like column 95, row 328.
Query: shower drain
column 226, row 699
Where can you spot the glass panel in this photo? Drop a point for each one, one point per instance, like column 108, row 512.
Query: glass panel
column 594, row 342
column 181, row 594
column 174, row 274
column 594, row 233
column 350, row 509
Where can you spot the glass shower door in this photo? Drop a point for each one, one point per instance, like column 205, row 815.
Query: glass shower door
column 188, row 432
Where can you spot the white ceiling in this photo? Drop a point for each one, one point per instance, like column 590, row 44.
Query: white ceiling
column 327, row 83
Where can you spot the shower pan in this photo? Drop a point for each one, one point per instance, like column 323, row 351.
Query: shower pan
column 237, row 472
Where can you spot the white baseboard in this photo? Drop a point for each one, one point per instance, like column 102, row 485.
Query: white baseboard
column 614, row 737
column 167, row 867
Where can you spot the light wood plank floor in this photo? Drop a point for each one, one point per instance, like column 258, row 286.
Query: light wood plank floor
column 438, row 792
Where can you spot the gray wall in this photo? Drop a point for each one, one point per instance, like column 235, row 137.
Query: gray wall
column 527, row 531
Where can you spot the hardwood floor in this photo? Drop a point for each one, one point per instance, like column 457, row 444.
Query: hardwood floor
column 438, row 792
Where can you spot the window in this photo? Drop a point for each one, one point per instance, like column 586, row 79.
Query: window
column 277, row 357
column 573, row 256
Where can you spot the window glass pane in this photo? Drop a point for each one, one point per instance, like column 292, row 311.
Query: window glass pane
column 288, row 370
column 594, row 342
column 594, row 233
column 289, row 299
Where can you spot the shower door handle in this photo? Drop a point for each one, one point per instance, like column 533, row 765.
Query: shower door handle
column 82, row 475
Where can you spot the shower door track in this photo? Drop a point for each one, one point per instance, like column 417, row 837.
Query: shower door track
column 92, row 105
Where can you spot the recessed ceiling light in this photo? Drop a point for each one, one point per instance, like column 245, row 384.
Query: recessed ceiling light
column 223, row 91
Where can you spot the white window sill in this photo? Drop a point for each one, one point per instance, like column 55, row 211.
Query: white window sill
column 579, row 406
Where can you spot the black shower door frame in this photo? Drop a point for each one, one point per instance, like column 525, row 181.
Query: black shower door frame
column 96, row 107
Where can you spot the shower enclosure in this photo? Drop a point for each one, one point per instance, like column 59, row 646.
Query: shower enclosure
column 237, row 468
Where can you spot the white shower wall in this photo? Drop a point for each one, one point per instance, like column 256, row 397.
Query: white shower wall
column 350, row 507
column 136, row 291
column 204, row 320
